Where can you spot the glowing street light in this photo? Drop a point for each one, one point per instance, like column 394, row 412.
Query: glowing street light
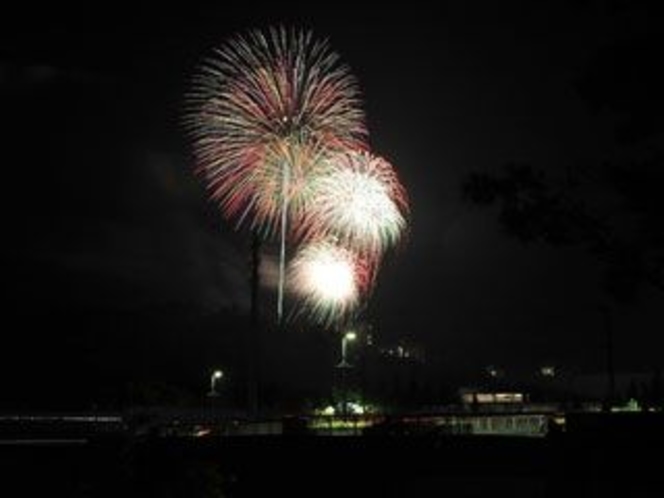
column 344, row 365
column 216, row 375
column 345, row 339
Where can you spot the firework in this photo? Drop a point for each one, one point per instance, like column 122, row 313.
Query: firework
column 262, row 113
column 359, row 202
column 329, row 279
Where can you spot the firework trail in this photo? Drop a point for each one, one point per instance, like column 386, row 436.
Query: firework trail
column 359, row 202
column 329, row 279
column 262, row 113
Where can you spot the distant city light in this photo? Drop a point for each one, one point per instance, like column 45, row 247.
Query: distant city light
column 548, row 371
column 495, row 372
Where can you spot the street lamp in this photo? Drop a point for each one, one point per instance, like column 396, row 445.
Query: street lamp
column 348, row 336
column 216, row 375
column 344, row 365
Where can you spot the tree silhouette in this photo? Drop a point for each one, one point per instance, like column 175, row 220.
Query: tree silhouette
column 613, row 209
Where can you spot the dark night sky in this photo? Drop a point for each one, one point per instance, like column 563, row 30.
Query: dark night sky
column 104, row 219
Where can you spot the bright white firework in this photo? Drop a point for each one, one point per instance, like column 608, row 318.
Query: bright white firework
column 359, row 201
column 328, row 279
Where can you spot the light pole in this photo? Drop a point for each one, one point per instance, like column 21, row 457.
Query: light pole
column 347, row 337
column 216, row 375
column 343, row 366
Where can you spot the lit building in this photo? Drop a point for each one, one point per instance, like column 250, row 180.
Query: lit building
column 469, row 396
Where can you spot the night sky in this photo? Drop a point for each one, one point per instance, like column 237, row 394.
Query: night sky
column 118, row 268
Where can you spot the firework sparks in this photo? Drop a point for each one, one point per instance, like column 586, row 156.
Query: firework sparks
column 264, row 110
column 329, row 279
column 280, row 140
column 358, row 201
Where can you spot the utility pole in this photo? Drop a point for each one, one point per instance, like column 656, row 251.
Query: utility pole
column 608, row 331
column 254, row 347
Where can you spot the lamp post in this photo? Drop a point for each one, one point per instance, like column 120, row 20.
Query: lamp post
column 216, row 375
column 343, row 366
column 345, row 339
